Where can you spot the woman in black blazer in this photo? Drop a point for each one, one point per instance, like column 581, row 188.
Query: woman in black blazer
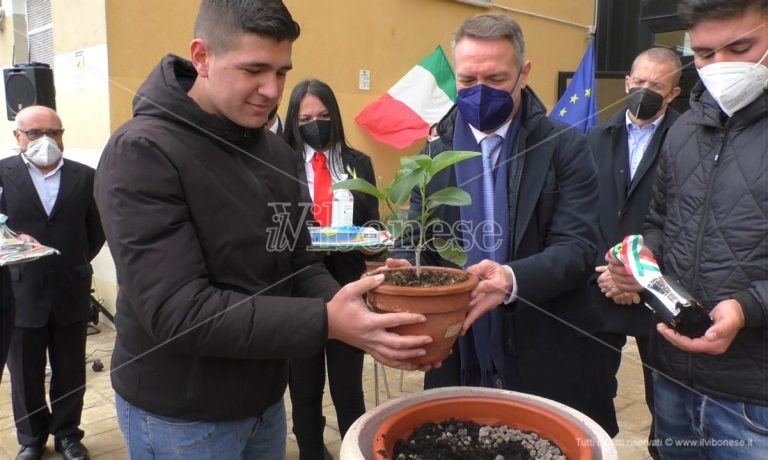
column 313, row 125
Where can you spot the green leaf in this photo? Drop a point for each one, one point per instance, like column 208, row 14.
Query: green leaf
column 417, row 171
column 401, row 187
column 416, row 161
column 359, row 185
column 448, row 158
column 402, row 172
column 451, row 196
column 450, row 251
column 432, row 222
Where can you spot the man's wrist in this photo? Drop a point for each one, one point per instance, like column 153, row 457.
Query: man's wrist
column 750, row 307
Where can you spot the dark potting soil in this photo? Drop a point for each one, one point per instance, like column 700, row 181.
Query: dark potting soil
column 692, row 321
column 457, row 440
column 428, row 278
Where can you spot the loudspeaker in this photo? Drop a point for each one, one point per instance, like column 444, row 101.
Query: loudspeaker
column 28, row 84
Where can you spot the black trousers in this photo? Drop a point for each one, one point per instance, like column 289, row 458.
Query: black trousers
column 65, row 346
column 306, row 382
column 6, row 331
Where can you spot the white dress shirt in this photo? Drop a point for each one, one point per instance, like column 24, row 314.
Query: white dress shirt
column 638, row 138
column 47, row 185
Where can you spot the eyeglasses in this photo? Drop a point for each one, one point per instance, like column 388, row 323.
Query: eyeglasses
column 34, row 134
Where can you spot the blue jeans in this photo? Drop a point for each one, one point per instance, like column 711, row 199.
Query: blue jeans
column 694, row 426
column 149, row 436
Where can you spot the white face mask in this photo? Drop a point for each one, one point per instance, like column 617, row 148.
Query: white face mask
column 734, row 85
column 43, row 152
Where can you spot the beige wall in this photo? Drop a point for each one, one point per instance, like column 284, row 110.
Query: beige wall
column 140, row 33
column 81, row 72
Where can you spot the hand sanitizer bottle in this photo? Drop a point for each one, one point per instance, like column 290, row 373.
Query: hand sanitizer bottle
column 343, row 207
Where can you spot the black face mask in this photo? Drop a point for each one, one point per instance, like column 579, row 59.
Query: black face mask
column 644, row 103
column 316, row 134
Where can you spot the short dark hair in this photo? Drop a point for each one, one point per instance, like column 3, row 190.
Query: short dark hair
column 220, row 21
column 661, row 55
column 292, row 134
column 493, row 27
column 694, row 11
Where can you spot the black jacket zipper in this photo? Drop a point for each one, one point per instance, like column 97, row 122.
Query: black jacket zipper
column 702, row 224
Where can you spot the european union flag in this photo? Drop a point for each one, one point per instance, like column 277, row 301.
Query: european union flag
column 578, row 105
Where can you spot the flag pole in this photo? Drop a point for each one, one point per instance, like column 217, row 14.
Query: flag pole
column 594, row 20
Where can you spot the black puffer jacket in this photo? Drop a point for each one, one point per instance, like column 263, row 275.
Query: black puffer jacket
column 202, row 220
column 708, row 226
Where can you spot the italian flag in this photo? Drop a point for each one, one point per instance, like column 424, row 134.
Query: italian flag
column 420, row 99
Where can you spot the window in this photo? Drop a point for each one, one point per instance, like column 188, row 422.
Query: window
column 677, row 40
column 40, row 26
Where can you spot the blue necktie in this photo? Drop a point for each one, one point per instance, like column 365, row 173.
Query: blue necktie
column 487, row 146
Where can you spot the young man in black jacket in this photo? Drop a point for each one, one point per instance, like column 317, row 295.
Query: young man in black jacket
column 215, row 294
column 707, row 228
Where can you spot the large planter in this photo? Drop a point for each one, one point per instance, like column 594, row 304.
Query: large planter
column 373, row 435
column 444, row 307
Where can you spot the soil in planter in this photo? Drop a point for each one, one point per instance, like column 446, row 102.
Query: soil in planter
column 456, row 439
column 408, row 278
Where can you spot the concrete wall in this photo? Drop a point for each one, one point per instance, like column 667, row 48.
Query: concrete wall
column 105, row 49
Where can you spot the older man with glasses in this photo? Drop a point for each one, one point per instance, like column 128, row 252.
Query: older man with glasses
column 51, row 199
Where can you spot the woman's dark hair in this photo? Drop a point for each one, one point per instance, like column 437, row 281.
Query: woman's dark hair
column 219, row 22
column 291, row 132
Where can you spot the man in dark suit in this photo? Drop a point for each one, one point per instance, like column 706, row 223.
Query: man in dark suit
column 51, row 199
column 626, row 150
column 529, row 235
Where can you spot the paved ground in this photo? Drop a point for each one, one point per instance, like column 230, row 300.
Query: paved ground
column 105, row 440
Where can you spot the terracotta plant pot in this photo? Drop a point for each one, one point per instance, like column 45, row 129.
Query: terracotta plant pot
column 373, row 435
column 371, row 265
column 483, row 410
column 444, row 307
